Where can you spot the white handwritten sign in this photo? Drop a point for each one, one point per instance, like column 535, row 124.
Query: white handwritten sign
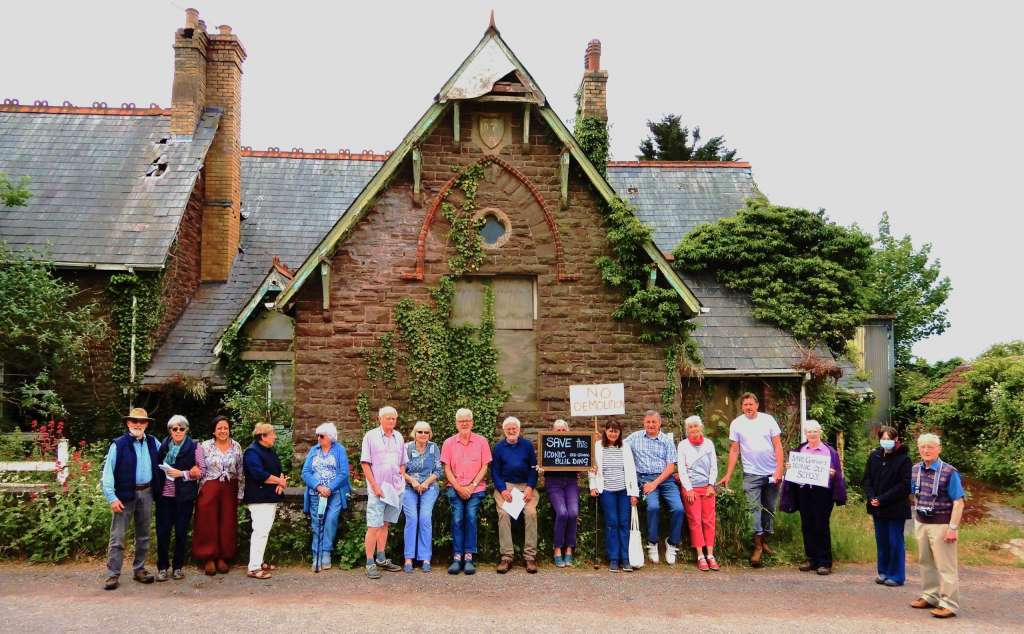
column 805, row 468
column 597, row 400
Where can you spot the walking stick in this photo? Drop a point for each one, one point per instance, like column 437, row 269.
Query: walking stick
column 597, row 559
column 321, row 515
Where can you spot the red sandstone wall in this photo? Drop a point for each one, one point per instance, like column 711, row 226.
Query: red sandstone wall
column 578, row 341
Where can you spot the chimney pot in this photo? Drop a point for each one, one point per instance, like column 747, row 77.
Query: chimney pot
column 191, row 18
column 224, row 29
column 592, row 60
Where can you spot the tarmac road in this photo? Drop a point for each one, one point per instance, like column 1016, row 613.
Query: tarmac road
column 68, row 597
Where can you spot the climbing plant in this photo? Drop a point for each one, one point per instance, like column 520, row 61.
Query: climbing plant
column 145, row 289
column 656, row 309
column 444, row 367
column 463, row 232
column 803, row 272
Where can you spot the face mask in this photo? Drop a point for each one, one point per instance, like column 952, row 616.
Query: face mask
column 887, row 444
column 137, row 434
column 699, row 439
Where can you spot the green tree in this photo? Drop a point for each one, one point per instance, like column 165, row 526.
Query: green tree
column 983, row 424
column 671, row 141
column 44, row 328
column 803, row 272
column 1008, row 349
column 905, row 284
column 14, row 194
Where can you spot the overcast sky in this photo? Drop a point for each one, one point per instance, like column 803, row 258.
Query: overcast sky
column 910, row 107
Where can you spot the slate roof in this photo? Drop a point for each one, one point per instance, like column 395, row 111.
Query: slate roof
column 945, row 390
column 92, row 202
column 288, row 205
column 676, row 198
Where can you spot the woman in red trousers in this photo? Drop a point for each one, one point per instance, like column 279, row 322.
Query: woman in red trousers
column 213, row 536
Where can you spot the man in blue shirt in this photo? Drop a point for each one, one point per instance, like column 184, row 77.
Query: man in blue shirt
column 514, row 466
column 938, row 508
column 128, row 473
column 654, row 454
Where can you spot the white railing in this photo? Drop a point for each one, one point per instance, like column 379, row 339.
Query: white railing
column 58, row 467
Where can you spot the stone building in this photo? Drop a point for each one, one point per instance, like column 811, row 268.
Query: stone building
column 307, row 253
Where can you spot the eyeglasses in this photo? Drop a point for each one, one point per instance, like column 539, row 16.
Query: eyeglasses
column 177, row 429
column 321, row 435
column 422, row 431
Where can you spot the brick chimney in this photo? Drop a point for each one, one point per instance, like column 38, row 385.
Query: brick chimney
column 594, row 87
column 208, row 74
column 222, row 212
column 188, row 93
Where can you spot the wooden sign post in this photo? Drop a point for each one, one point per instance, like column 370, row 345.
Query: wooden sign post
column 606, row 399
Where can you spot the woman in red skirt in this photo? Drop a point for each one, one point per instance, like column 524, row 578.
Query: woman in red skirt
column 213, row 536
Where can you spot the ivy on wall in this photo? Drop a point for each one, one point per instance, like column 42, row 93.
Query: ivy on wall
column 149, row 310
column 445, row 367
column 657, row 309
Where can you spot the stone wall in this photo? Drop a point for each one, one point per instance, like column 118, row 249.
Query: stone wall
column 577, row 340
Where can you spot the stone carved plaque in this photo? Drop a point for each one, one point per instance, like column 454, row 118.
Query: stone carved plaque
column 491, row 132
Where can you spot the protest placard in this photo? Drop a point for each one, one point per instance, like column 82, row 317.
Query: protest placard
column 597, row 400
column 805, row 468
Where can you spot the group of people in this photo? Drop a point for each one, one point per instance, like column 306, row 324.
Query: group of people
column 179, row 476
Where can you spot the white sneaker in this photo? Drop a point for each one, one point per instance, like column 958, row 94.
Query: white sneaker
column 652, row 553
column 670, row 554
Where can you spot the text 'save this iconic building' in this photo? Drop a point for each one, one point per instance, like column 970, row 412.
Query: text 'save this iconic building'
column 308, row 253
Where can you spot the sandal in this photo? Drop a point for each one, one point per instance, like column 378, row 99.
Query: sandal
column 209, row 568
column 266, row 566
column 259, row 574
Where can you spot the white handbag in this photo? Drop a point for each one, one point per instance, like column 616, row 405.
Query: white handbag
column 636, row 541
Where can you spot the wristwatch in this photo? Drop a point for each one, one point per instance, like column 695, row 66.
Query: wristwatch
column 953, row 527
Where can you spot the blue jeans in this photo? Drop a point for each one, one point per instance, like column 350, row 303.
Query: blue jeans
column 892, row 553
column 464, row 523
column 762, row 500
column 419, row 512
column 615, row 506
column 323, row 541
column 667, row 491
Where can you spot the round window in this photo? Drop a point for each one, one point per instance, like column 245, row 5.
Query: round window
column 494, row 228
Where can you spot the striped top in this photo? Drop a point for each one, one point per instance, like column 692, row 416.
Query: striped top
column 612, row 469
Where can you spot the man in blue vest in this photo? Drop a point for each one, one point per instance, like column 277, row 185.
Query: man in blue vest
column 128, row 474
column 939, row 505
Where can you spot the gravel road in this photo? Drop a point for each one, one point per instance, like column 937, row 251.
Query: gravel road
column 69, row 598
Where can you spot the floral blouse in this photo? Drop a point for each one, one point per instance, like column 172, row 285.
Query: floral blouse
column 217, row 465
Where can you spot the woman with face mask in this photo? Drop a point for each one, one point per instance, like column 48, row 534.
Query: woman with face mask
column 887, row 490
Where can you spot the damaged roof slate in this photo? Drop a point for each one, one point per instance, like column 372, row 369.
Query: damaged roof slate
column 92, row 203
column 288, row 205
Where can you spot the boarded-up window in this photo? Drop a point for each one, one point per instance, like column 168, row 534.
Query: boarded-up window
column 515, row 311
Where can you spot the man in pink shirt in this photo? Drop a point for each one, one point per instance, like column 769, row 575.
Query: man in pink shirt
column 465, row 457
column 383, row 461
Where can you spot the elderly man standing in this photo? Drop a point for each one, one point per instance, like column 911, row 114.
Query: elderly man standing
column 383, row 460
column 757, row 437
column 128, row 474
column 465, row 457
column 654, row 454
column 939, row 506
column 515, row 467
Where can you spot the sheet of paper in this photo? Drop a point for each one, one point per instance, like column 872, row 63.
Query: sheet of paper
column 392, row 496
column 516, row 506
column 165, row 467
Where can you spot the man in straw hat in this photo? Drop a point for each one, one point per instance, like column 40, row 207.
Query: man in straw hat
column 128, row 472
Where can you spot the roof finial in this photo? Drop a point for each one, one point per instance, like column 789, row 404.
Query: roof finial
column 491, row 25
